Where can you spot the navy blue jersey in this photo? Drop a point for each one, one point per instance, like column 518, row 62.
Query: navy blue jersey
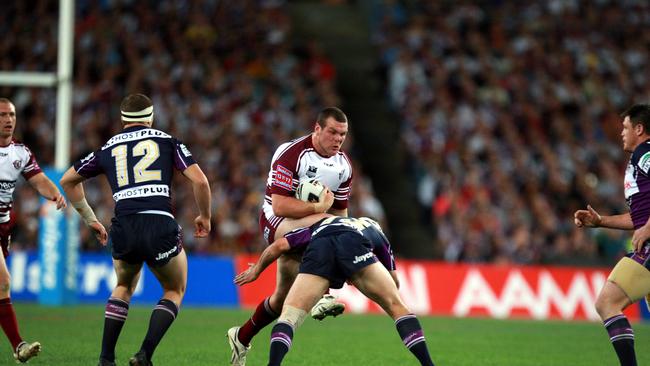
column 139, row 164
column 299, row 239
column 637, row 184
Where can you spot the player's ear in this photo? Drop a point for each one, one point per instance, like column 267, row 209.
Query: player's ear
column 640, row 130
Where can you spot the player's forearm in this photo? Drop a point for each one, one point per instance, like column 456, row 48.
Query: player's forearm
column 268, row 256
column 622, row 222
column 74, row 192
column 44, row 186
column 77, row 196
column 72, row 184
column 292, row 208
column 203, row 197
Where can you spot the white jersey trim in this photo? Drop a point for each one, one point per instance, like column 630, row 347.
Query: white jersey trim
column 134, row 136
column 149, row 190
column 157, row 212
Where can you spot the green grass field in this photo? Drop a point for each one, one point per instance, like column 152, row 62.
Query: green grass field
column 73, row 336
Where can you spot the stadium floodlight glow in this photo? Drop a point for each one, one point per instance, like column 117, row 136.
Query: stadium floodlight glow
column 17, row 78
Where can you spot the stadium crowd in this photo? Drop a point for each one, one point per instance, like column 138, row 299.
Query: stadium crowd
column 225, row 78
column 511, row 112
column 509, row 108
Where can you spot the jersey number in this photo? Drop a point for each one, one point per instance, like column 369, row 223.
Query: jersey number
column 149, row 151
column 352, row 222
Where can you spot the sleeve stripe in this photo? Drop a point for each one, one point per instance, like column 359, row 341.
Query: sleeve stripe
column 181, row 158
column 84, row 165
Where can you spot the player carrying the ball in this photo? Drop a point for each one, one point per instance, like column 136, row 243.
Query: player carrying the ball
column 315, row 156
column 338, row 249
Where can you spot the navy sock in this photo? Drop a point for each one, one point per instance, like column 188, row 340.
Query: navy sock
column 410, row 331
column 114, row 318
column 281, row 337
column 162, row 317
column 622, row 337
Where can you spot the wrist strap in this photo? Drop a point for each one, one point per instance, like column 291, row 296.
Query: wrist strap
column 85, row 211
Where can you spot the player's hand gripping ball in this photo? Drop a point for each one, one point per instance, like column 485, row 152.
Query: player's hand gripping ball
column 309, row 190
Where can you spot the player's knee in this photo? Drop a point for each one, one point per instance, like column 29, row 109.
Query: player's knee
column 5, row 286
column 177, row 292
column 293, row 316
column 394, row 306
column 606, row 307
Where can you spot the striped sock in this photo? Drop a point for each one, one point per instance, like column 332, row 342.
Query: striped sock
column 410, row 330
column 621, row 335
column 281, row 337
column 162, row 317
column 114, row 318
column 262, row 317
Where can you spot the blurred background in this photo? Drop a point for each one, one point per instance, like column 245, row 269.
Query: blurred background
column 478, row 127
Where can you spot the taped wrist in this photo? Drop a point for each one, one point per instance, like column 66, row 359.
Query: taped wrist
column 85, row 211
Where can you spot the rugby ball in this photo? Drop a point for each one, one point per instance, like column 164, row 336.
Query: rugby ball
column 309, row 190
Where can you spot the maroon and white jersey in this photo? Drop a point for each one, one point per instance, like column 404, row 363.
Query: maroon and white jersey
column 296, row 160
column 15, row 159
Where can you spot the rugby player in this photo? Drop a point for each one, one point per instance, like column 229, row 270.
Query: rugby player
column 629, row 281
column 139, row 164
column 15, row 160
column 338, row 249
column 315, row 156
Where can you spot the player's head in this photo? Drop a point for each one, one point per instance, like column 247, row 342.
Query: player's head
column 7, row 118
column 137, row 108
column 636, row 126
column 330, row 131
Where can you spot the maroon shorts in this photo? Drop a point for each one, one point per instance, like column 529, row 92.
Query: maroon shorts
column 268, row 227
column 5, row 236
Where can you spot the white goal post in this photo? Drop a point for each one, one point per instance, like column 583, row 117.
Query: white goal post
column 62, row 79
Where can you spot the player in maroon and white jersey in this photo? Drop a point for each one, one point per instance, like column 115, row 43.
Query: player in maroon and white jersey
column 629, row 281
column 16, row 160
column 315, row 156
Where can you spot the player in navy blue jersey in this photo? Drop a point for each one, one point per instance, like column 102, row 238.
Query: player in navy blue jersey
column 139, row 164
column 336, row 250
column 629, row 281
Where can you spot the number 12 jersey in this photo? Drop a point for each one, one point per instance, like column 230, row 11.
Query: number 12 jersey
column 139, row 164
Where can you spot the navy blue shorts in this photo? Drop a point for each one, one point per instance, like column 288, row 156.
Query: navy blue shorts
column 150, row 238
column 337, row 256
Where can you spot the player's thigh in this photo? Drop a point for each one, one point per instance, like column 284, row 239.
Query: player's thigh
column 631, row 277
column 376, row 283
column 173, row 275
column 612, row 299
column 307, row 289
column 291, row 224
column 128, row 274
column 287, row 270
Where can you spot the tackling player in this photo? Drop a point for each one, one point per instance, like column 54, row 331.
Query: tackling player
column 338, row 249
column 139, row 164
column 315, row 156
column 629, row 281
column 15, row 160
